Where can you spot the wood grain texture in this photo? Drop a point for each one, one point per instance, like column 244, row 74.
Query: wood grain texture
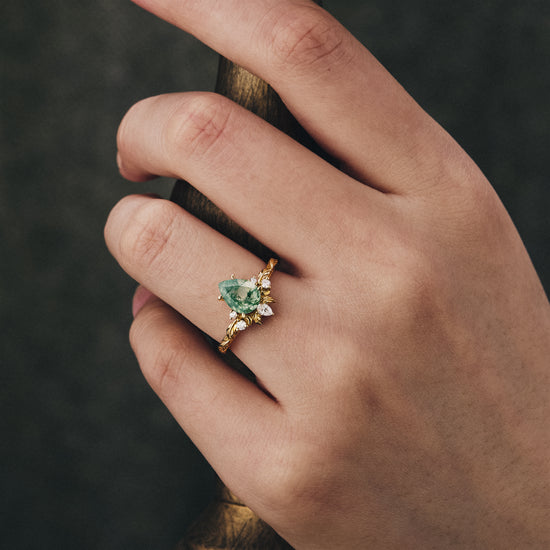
column 229, row 524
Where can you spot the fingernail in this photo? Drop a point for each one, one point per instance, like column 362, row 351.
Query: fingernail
column 141, row 297
column 119, row 161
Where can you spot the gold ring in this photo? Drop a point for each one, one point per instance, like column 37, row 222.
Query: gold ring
column 249, row 301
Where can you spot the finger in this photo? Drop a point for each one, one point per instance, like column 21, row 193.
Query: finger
column 337, row 90
column 181, row 260
column 225, row 415
column 280, row 192
column 141, row 297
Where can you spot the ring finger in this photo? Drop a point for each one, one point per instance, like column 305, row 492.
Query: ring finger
column 181, row 260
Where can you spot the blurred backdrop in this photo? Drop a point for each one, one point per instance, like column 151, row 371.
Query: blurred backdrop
column 90, row 458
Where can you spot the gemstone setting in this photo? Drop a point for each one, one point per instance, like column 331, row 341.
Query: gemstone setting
column 241, row 325
column 264, row 310
column 241, row 295
column 249, row 302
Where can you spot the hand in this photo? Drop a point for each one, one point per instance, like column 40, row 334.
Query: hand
column 403, row 383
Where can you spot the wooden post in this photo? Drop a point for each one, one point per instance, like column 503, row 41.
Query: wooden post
column 228, row 524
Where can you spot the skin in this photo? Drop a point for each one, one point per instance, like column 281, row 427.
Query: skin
column 406, row 369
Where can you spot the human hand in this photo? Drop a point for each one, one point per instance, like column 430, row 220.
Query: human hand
column 406, row 369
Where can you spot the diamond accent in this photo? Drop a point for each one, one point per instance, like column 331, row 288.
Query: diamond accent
column 233, row 315
column 264, row 310
column 266, row 283
column 253, row 280
column 241, row 325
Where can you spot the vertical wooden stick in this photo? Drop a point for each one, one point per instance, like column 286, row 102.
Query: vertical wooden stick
column 228, row 524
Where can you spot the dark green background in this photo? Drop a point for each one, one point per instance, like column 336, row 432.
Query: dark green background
column 90, row 459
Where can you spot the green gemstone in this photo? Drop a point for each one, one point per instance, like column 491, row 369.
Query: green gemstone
column 240, row 295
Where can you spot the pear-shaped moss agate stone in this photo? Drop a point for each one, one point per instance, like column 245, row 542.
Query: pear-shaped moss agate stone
column 240, row 295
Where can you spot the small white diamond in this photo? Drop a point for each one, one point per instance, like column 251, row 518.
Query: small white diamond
column 233, row 315
column 241, row 325
column 253, row 280
column 266, row 283
column 264, row 310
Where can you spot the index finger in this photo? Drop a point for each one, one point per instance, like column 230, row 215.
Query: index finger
column 336, row 89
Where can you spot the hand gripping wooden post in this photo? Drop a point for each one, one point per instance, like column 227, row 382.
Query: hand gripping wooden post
column 228, row 524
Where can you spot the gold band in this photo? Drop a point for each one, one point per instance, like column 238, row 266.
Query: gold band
column 249, row 301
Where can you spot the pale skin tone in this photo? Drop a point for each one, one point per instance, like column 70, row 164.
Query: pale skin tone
column 406, row 370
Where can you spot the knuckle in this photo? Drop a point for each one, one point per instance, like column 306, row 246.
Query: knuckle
column 165, row 370
column 472, row 216
column 197, row 125
column 147, row 239
column 415, row 284
column 480, row 199
column 308, row 37
column 298, row 481
column 408, row 292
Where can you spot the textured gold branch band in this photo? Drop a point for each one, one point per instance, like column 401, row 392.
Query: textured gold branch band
column 249, row 301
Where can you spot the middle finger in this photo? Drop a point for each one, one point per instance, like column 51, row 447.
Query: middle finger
column 344, row 98
column 287, row 197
